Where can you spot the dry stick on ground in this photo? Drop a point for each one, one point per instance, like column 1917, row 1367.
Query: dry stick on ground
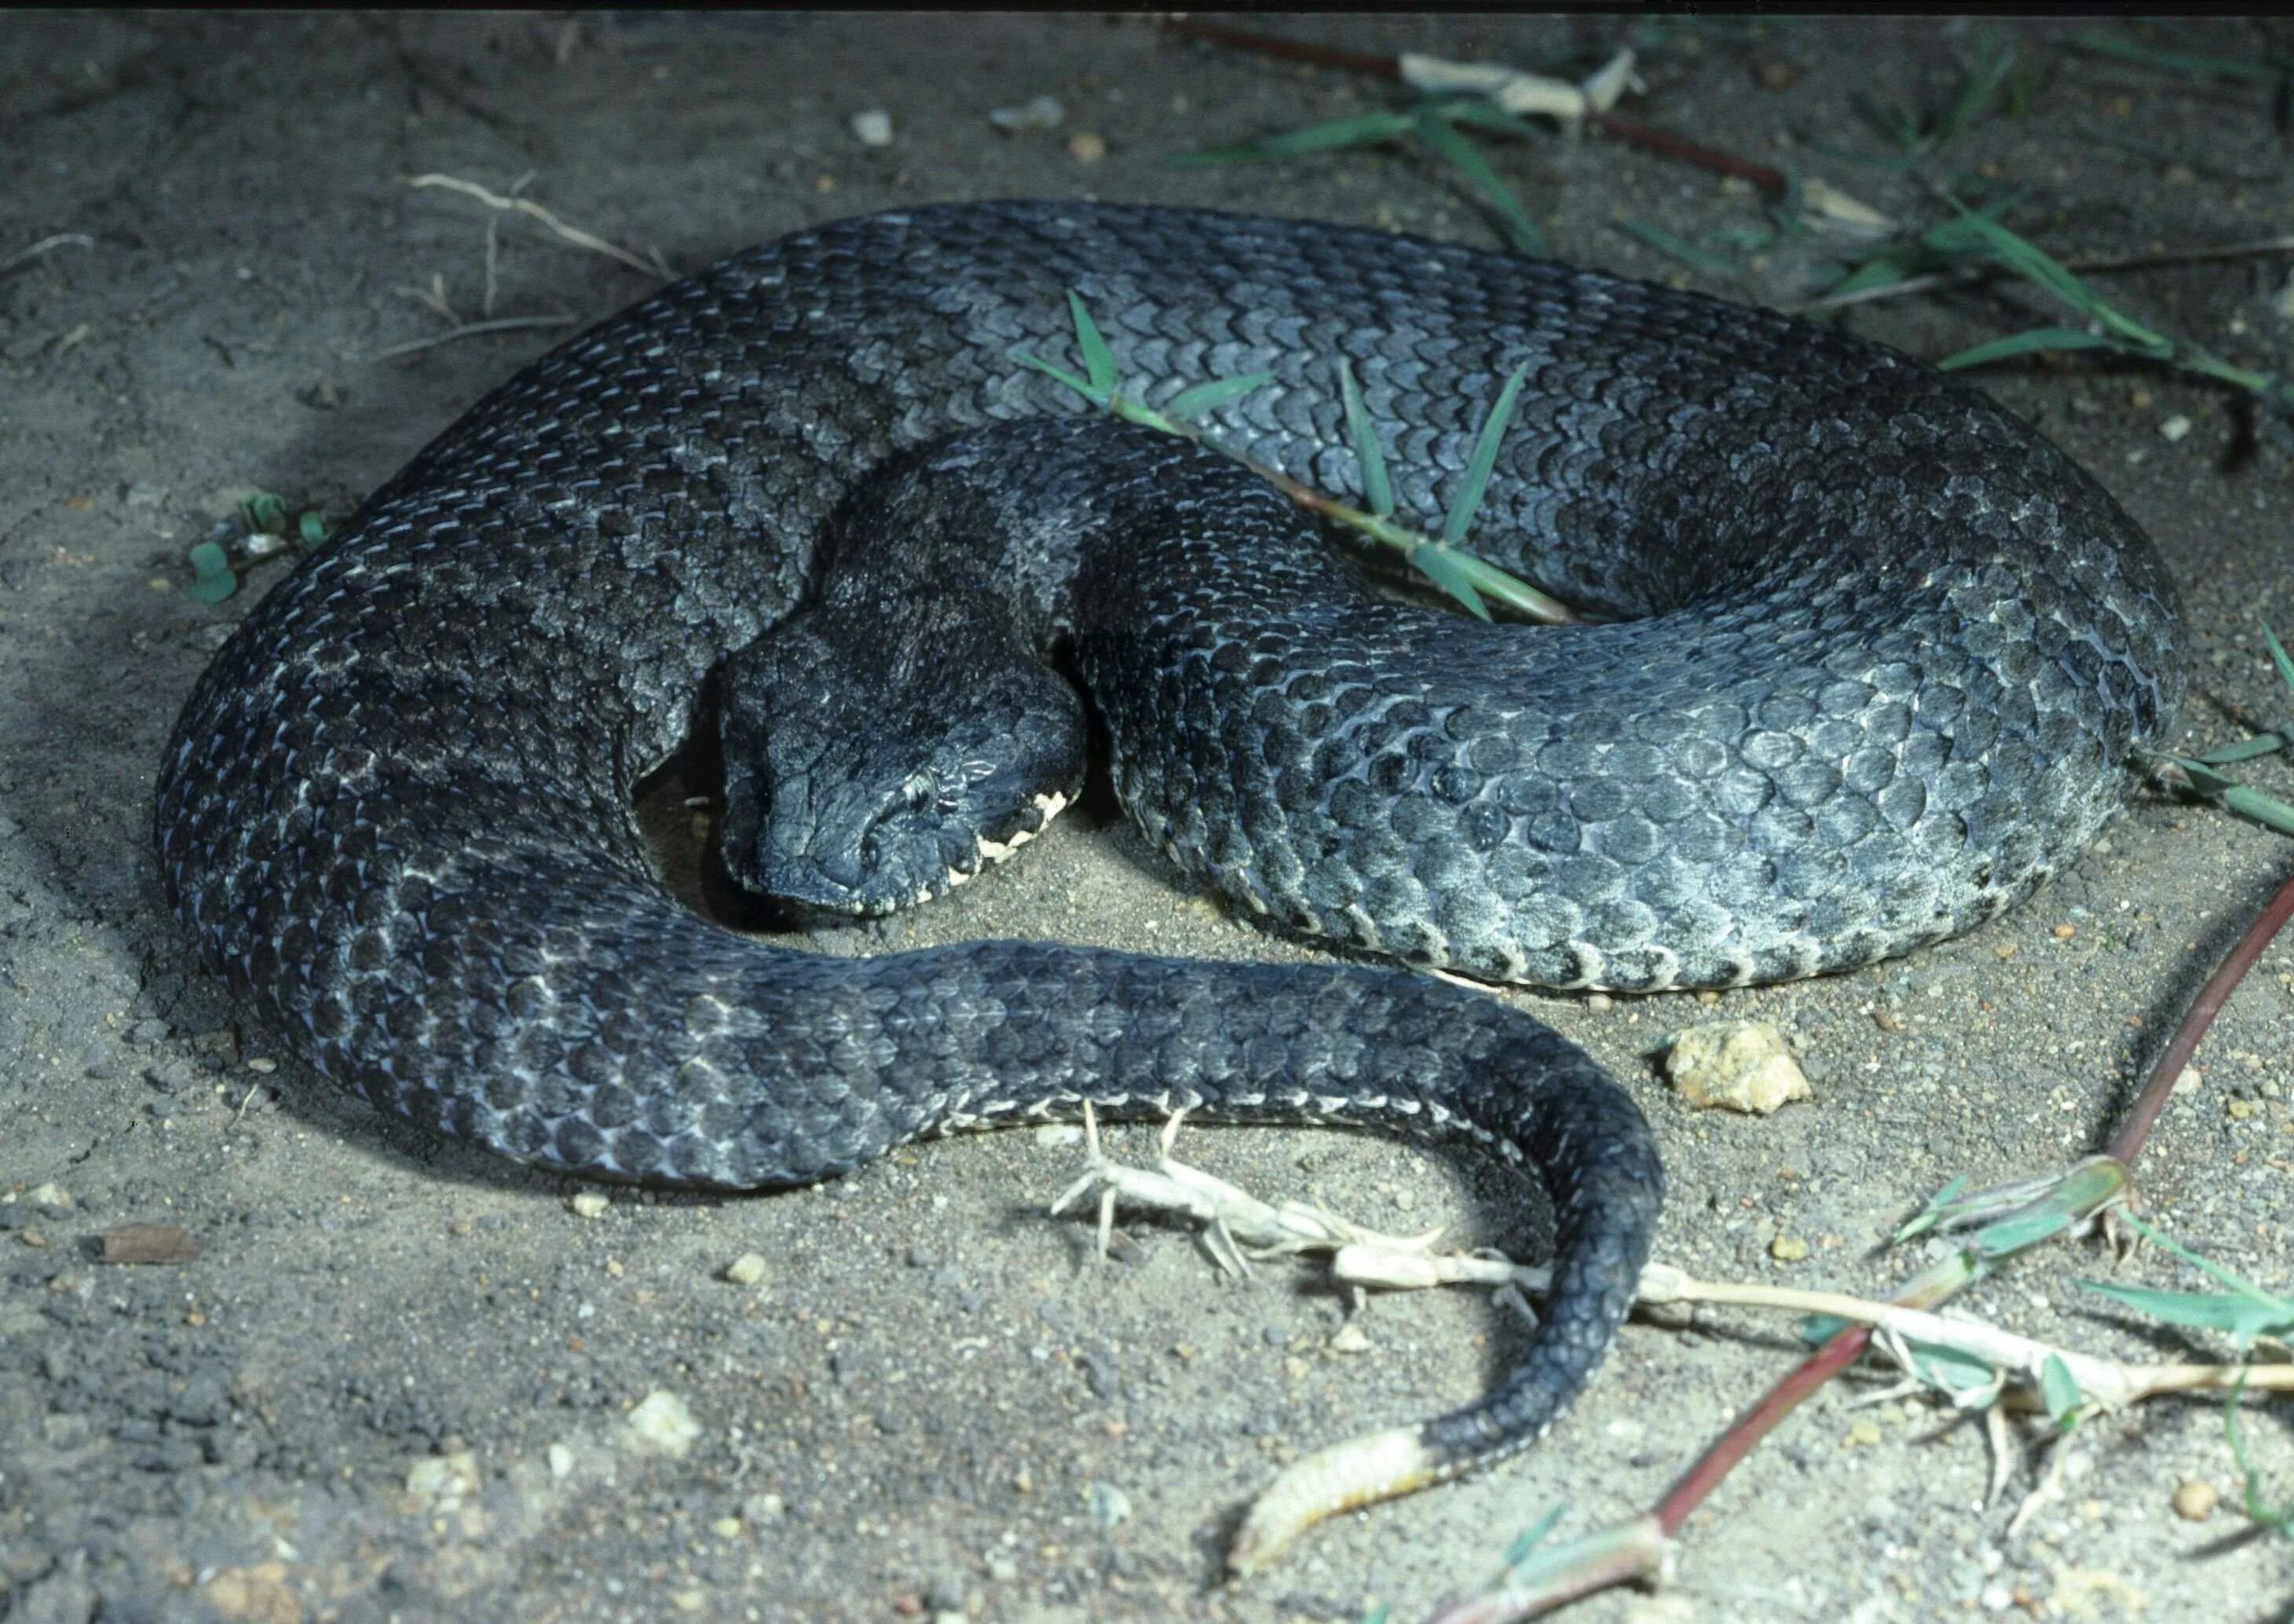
column 62, row 240
column 579, row 239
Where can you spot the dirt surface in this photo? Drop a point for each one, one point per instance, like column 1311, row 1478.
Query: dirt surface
column 398, row 1380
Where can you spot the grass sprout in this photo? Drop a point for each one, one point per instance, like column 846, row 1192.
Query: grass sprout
column 1469, row 580
column 1433, row 124
column 2269, row 68
column 2206, row 779
column 2105, row 327
column 1915, row 136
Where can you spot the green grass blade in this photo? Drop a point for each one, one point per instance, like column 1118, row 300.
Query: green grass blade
column 1976, row 93
column 2236, row 797
column 1203, row 397
column 2244, row 1319
column 2278, row 658
column 1485, row 116
column 1520, row 231
column 2060, row 1390
column 2023, row 344
column 1378, row 490
column 1513, row 592
column 2035, row 265
column 1677, row 247
column 1461, row 515
column 2245, row 750
column 2097, row 43
column 1316, row 138
column 1442, row 566
column 1098, row 360
column 1533, row 1536
column 1097, row 397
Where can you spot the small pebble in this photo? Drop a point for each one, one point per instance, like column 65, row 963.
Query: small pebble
column 1110, row 1505
column 873, row 127
column 2175, row 428
column 1350, row 1338
column 661, row 1425
column 746, row 1269
column 2195, row 1500
column 561, row 1461
column 1597, row 1001
column 1087, row 147
column 1035, row 113
column 55, row 1196
column 1787, row 1249
column 588, row 1204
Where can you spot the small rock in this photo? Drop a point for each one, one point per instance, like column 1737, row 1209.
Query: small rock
column 55, row 1198
column 1035, row 113
column 561, row 1461
column 2175, row 428
column 146, row 1033
column 747, row 1268
column 1087, row 147
column 1863, row 1435
column 1743, row 1065
column 660, row 1425
column 1787, row 1249
column 1598, row 1001
column 1110, row 1505
column 1000, row 1567
column 2195, row 1500
column 444, row 1480
column 2188, row 1080
column 1350, row 1338
column 257, row 1595
column 588, row 1204
column 873, row 127
column 1058, row 1136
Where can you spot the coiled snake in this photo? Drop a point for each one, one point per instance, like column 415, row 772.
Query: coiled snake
column 1873, row 658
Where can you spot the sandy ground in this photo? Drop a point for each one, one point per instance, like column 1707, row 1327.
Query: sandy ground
column 397, row 1381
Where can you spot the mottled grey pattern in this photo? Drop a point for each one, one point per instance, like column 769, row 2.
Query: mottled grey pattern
column 1900, row 646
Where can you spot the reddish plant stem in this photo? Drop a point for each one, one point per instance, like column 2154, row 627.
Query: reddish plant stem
column 2136, row 1127
column 1615, row 126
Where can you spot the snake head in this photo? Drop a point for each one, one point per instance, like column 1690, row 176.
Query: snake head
column 864, row 773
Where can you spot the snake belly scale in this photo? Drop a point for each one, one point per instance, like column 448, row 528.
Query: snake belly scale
column 1877, row 656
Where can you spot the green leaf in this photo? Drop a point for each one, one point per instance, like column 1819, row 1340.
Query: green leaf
column 212, row 578
column 2251, row 1501
column 2095, row 40
column 2227, row 1277
column 1946, row 1370
column 1531, row 1537
column 1316, row 138
column 2023, row 344
column 2278, row 658
column 1514, row 593
column 1098, row 360
column 1378, row 1614
column 1975, row 94
column 1677, row 247
column 1441, row 566
column 1193, row 402
column 2236, row 797
column 1520, row 231
column 2245, row 750
column 1377, row 491
column 313, row 528
column 2242, row 1318
column 1487, row 116
column 2061, row 1391
column 1938, row 1210
column 1460, row 515
column 1097, row 397
column 266, row 514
